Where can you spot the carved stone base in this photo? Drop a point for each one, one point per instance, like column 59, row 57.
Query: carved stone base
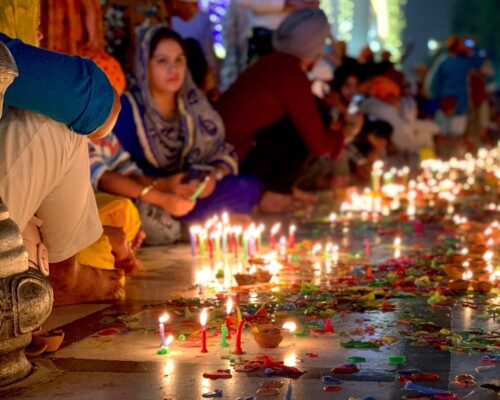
column 13, row 362
column 26, row 300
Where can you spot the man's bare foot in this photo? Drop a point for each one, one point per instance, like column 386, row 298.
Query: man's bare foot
column 138, row 240
column 303, row 196
column 74, row 283
column 122, row 250
column 277, row 203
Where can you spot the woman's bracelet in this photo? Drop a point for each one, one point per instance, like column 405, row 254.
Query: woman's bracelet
column 146, row 189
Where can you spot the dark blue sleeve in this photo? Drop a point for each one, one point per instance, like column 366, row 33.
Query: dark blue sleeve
column 126, row 131
column 69, row 89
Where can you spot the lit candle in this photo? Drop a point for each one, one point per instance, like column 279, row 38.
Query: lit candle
column 164, row 318
column 168, row 340
column 203, row 323
column 316, row 249
column 367, row 247
column 241, row 325
column 397, row 247
column 335, row 254
column 193, row 232
column 224, row 336
column 376, row 175
column 229, row 310
column 283, row 246
column 272, row 237
column 291, row 236
column 290, row 326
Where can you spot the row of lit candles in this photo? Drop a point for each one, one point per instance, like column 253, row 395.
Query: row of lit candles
column 225, row 329
column 220, row 239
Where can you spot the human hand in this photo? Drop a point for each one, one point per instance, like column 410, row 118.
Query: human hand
column 176, row 206
column 353, row 125
column 175, row 184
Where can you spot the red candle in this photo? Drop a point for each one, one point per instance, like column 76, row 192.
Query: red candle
column 367, row 248
column 210, row 248
column 239, row 350
column 328, row 326
column 291, row 236
column 203, row 322
column 229, row 309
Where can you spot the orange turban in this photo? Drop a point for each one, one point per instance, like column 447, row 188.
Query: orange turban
column 383, row 88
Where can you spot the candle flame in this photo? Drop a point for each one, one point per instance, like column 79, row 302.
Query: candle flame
column 229, row 306
column 290, row 326
column 467, row 276
column 292, row 228
column 316, row 248
column 397, row 242
column 169, row 339
column 164, row 318
column 464, row 251
column 488, row 256
column 203, row 317
column 275, row 228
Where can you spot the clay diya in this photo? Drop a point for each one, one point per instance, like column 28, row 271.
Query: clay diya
column 268, row 336
column 482, row 286
column 459, row 285
column 261, row 276
column 52, row 340
column 454, row 271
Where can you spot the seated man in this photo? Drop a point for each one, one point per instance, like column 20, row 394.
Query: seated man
column 271, row 115
column 44, row 165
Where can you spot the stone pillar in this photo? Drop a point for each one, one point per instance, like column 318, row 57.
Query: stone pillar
column 26, row 300
column 26, row 296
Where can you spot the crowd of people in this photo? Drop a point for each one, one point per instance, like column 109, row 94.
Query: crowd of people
column 188, row 135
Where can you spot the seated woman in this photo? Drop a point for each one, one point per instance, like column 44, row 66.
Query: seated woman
column 113, row 171
column 271, row 115
column 170, row 130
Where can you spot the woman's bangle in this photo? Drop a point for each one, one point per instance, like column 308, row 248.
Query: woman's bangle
column 146, row 189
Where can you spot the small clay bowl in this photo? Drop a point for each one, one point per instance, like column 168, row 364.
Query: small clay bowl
column 268, row 337
column 244, row 279
column 481, row 286
column 454, row 271
column 459, row 285
column 52, row 339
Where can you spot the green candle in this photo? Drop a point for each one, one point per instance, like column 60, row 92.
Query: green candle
column 224, row 334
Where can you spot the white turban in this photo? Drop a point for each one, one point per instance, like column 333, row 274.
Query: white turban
column 303, row 33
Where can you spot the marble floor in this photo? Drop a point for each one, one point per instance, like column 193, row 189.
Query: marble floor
column 110, row 350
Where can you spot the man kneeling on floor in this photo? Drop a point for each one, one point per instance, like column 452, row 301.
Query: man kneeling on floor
column 44, row 164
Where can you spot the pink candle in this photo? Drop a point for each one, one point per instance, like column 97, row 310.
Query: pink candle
column 203, row 322
column 239, row 350
column 272, row 237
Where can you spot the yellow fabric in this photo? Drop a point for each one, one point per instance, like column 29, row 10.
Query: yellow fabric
column 98, row 255
column 20, row 19
column 117, row 212
column 426, row 153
